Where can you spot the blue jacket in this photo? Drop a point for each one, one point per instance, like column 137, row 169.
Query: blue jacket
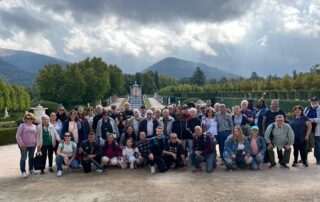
column 260, row 143
column 81, row 131
column 231, row 146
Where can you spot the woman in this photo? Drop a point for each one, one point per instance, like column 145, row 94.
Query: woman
column 46, row 141
column 247, row 112
column 89, row 117
column 191, row 124
column 241, row 120
column 74, row 127
column 157, row 115
column 83, row 120
column 209, row 123
column 301, row 127
column 135, row 121
column 257, row 147
column 106, row 125
column 111, row 152
column 121, row 123
column 236, row 151
column 26, row 137
column 262, row 109
column 57, row 124
column 129, row 134
column 61, row 114
column 66, row 154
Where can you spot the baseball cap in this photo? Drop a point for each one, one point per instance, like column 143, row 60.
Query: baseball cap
column 255, row 128
column 314, row 98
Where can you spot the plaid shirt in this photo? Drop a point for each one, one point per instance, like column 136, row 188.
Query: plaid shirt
column 143, row 147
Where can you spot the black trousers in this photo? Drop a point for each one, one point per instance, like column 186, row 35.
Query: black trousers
column 160, row 162
column 169, row 160
column 47, row 151
column 86, row 164
column 300, row 147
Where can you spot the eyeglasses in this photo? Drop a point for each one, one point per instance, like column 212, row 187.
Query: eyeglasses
column 67, row 136
column 53, row 115
column 149, row 113
column 173, row 138
column 61, row 110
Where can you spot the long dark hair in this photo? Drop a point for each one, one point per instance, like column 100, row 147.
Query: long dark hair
column 133, row 135
column 123, row 116
column 114, row 143
column 71, row 112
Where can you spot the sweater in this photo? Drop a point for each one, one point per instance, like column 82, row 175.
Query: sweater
column 281, row 136
column 52, row 132
column 27, row 135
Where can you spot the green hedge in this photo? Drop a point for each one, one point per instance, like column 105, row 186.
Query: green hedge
column 8, row 136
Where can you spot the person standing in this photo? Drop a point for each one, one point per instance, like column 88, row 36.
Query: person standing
column 279, row 135
column 105, row 126
column 89, row 117
column 26, row 137
column 312, row 111
column 74, row 127
column 149, row 125
column 46, row 142
column 166, row 122
column 97, row 117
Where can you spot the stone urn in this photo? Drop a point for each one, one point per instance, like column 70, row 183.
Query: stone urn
column 39, row 111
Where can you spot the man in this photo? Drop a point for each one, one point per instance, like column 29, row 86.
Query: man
column 217, row 107
column 176, row 153
column 269, row 118
column 203, row 148
column 199, row 112
column 225, row 125
column 90, row 152
column 313, row 112
column 158, row 148
column 208, row 103
column 171, row 109
column 203, row 113
column 247, row 112
column 97, row 117
column 143, row 111
column 166, row 122
column 135, row 121
column 149, row 125
column 144, row 147
column 262, row 109
column 281, row 136
column 113, row 113
column 127, row 112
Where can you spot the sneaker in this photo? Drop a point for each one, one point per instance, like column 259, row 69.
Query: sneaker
column 24, row 175
column 200, row 169
column 131, row 166
column 51, row 170
column 318, row 162
column 41, row 172
column 300, row 161
column 272, row 166
column 59, row 173
column 194, row 170
column 306, row 164
column 99, row 170
column 153, row 170
column 284, row 166
column 295, row 164
column 32, row 172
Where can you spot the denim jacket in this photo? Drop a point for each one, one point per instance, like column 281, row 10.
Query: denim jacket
column 260, row 143
column 231, row 146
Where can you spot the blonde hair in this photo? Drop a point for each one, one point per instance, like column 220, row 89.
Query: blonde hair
column 241, row 139
column 29, row 114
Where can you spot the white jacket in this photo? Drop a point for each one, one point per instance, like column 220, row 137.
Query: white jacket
column 52, row 132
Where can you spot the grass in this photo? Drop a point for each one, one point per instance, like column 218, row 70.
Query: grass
column 147, row 103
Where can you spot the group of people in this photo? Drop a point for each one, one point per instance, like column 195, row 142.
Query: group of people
column 171, row 138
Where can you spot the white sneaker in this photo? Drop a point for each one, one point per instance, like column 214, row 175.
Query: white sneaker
column 153, row 170
column 99, row 170
column 131, row 165
column 24, row 175
column 59, row 173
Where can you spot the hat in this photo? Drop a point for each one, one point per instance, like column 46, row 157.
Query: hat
column 314, row 98
column 255, row 128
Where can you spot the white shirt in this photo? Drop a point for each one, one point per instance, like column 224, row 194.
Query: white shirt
column 128, row 152
column 149, row 127
column 211, row 125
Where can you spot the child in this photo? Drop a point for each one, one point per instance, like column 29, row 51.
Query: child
column 131, row 154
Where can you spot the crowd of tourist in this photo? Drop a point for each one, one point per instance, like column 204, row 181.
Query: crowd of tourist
column 175, row 137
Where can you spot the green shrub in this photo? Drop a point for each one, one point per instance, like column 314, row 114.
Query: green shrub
column 7, row 136
column 8, row 124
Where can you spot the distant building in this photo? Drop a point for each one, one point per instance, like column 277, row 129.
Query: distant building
column 135, row 90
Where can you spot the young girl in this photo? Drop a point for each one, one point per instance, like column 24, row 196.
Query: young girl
column 131, row 154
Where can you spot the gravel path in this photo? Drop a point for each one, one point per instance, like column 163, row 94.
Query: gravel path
column 156, row 104
column 296, row 184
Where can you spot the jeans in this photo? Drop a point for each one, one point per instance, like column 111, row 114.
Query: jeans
column 209, row 158
column 60, row 160
column 233, row 163
column 256, row 161
column 317, row 148
column 29, row 151
column 188, row 142
column 47, row 151
column 221, row 139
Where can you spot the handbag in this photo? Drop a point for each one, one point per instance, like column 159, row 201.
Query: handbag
column 38, row 164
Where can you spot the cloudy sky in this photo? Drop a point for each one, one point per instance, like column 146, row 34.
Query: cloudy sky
column 266, row 36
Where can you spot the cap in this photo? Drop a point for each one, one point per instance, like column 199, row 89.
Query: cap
column 255, row 128
column 314, row 98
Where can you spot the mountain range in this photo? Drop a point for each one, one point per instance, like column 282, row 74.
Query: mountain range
column 180, row 68
column 21, row 67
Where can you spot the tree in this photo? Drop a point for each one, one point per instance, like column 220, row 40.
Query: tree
column 116, row 80
column 156, row 80
column 198, row 77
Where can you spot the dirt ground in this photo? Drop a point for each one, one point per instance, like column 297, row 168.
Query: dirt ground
column 296, row 184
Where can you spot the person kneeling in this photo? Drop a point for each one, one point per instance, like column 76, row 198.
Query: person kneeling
column 66, row 154
column 203, row 148
column 131, row 155
column 257, row 148
column 112, row 152
column 90, row 152
column 176, row 153
column 236, row 150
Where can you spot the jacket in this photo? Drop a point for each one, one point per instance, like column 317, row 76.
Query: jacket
column 143, row 126
column 179, row 126
column 52, row 132
column 113, row 125
column 231, row 146
column 281, row 136
column 203, row 144
column 81, row 130
column 260, row 143
column 169, row 125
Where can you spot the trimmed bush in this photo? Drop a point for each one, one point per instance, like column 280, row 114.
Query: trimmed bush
column 8, row 136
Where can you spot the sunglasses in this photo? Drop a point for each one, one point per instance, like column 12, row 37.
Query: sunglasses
column 29, row 118
column 61, row 110
column 149, row 113
column 67, row 136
